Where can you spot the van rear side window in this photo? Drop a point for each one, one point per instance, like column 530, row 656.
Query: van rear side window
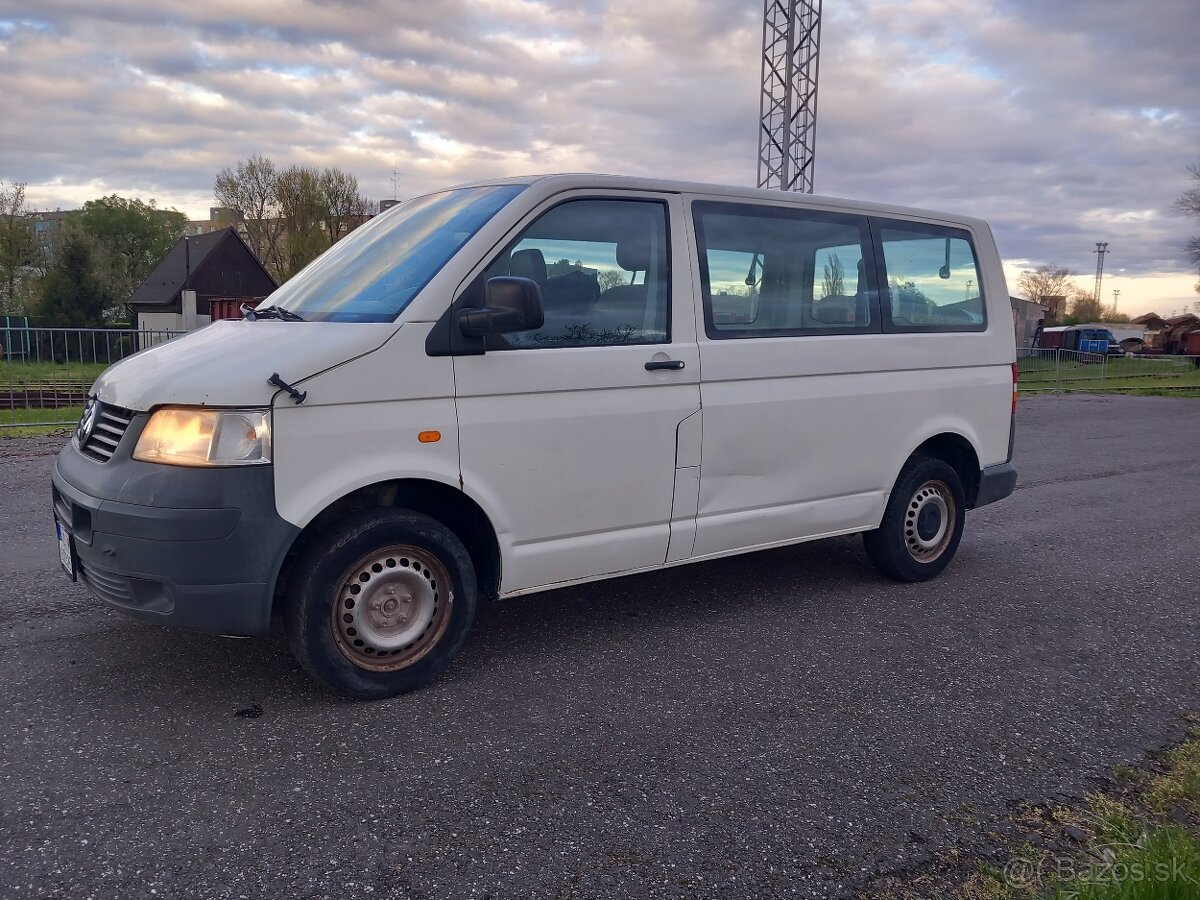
column 770, row 271
column 933, row 279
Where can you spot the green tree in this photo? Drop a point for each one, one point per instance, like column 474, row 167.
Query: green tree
column 909, row 299
column 1084, row 305
column 17, row 248
column 71, row 296
column 129, row 238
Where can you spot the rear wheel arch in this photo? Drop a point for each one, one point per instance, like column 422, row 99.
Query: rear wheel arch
column 956, row 450
column 448, row 505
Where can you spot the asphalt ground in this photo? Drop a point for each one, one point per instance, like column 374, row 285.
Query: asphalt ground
column 781, row 724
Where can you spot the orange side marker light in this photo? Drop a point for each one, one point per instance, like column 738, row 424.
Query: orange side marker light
column 429, row 437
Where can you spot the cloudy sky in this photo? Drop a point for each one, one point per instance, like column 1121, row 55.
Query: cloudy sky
column 1062, row 122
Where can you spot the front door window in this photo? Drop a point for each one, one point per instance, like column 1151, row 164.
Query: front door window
column 602, row 266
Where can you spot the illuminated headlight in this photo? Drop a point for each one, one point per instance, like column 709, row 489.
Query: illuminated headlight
column 187, row 436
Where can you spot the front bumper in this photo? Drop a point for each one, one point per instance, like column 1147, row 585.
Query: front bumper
column 195, row 548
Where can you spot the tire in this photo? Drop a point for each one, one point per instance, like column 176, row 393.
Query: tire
column 922, row 524
column 381, row 603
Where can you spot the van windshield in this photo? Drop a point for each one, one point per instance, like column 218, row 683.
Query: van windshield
column 373, row 273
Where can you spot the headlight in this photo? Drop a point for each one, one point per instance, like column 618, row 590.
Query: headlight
column 187, row 436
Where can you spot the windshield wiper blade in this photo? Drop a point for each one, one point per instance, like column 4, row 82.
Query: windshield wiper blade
column 270, row 312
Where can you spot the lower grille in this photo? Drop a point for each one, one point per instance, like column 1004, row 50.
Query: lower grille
column 108, row 585
column 133, row 594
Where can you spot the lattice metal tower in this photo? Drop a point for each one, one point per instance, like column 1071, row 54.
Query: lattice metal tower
column 788, row 112
column 1101, row 249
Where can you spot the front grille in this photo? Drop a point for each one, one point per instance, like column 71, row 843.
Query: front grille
column 111, row 423
column 108, row 585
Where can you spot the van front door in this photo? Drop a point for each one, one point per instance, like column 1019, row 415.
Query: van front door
column 570, row 434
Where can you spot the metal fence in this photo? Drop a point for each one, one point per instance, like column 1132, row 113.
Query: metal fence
column 1076, row 370
column 45, row 373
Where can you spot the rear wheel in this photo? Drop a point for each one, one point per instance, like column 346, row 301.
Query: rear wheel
column 381, row 604
column 922, row 524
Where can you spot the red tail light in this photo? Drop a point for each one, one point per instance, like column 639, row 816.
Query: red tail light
column 1014, row 406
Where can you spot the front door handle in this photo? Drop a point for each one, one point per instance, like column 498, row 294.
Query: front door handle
column 656, row 364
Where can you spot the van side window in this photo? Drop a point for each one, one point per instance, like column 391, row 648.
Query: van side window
column 770, row 271
column 603, row 269
column 933, row 279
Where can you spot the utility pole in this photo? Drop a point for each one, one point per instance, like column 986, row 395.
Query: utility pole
column 1101, row 249
column 788, row 106
column 1116, row 297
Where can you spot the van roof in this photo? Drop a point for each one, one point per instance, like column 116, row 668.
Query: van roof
column 553, row 183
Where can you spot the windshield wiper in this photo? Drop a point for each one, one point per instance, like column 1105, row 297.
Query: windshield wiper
column 269, row 312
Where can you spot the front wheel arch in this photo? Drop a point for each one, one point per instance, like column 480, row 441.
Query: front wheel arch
column 450, row 506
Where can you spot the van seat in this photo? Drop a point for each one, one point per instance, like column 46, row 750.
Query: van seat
column 834, row 310
column 528, row 264
column 574, row 292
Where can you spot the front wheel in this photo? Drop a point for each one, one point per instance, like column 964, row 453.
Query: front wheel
column 922, row 524
column 381, row 603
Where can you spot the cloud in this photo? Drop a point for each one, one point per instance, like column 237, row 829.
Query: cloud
column 1062, row 124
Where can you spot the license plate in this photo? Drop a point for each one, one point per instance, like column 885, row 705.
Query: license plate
column 66, row 552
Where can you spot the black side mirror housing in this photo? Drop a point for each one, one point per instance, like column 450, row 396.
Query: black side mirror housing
column 513, row 304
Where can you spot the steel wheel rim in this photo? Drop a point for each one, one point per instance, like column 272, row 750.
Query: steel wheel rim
column 392, row 607
column 932, row 499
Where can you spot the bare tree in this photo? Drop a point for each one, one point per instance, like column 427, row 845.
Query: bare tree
column 1188, row 204
column 303, row 211
column 611, row 278
column 251, row 189
column 833, row 284
column 345, row 207
column 294, row 214
column 1045, row 281
column 363, row 209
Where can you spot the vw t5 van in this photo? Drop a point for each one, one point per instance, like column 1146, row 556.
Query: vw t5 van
column 513, row 386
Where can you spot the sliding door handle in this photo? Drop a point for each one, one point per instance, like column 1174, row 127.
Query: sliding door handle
column 656, row 364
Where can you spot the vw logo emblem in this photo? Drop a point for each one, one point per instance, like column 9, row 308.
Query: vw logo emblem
column 87, row 421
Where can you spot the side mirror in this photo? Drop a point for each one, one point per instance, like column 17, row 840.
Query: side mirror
column 513, row 304
column 944, row 271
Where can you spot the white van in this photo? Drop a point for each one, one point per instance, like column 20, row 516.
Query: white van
column 518, row 385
